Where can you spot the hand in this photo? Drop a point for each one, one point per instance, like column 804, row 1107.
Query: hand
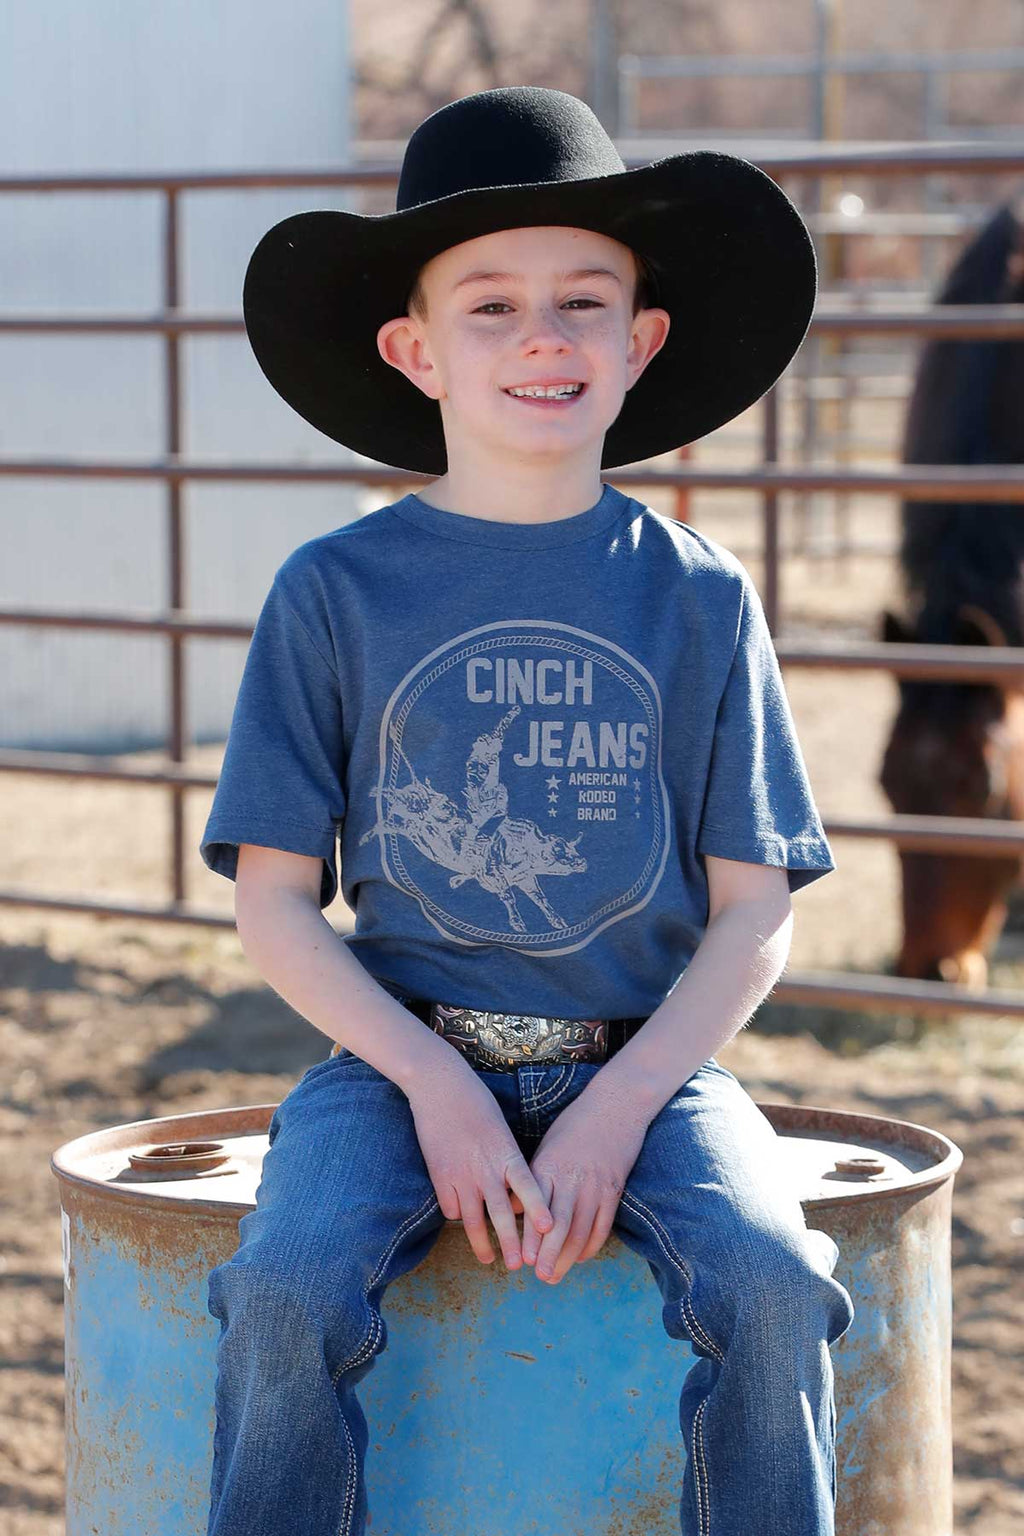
column 581, row 1167
column 473, row 1159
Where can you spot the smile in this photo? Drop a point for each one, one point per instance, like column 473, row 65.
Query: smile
column 557, row 397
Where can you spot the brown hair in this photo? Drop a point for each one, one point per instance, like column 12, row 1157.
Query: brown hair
column 645, row 291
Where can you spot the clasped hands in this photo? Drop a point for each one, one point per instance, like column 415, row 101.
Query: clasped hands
column 581, row 1167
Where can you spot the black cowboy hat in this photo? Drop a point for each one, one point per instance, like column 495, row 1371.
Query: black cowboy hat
column 734, row 264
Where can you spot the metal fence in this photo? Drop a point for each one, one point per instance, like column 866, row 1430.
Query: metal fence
column 819, row 70
column 770, row 478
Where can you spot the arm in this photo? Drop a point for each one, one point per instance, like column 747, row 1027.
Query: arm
column 738, row 961
column 470, row 1153
column 288, row 939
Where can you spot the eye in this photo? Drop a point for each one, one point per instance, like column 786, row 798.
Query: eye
column 500, row 304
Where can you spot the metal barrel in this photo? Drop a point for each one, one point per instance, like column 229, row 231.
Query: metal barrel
column 149, row 1208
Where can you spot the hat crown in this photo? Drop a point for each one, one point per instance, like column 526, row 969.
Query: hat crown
column 509, row 136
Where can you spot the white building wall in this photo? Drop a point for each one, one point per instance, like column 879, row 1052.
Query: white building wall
column 115, row 88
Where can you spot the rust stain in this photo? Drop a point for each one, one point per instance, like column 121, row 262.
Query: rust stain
column 892, row 1368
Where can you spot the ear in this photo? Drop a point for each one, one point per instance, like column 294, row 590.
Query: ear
column 648, row 336
column 402, row 343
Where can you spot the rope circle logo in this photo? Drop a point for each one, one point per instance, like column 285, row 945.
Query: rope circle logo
column 520, row 798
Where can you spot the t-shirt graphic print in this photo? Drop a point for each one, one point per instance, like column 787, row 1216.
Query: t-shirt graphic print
column 520, row 789
column 523, row 739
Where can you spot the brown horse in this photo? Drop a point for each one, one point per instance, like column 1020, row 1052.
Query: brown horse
column 957, row 749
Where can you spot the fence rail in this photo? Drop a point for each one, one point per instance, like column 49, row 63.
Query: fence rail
column 820, row 69
column 918, row 482
column 985, row 483
column 996, row 322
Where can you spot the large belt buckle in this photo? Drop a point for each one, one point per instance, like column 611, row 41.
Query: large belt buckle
column 504, row 1041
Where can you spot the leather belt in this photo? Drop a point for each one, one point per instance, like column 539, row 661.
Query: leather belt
column 504, row 1042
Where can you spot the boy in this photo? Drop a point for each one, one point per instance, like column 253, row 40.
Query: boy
column 549, row 726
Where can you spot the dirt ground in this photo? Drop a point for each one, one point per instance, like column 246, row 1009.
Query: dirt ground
column 104, row 1021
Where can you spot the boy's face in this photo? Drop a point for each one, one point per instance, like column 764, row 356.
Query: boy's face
column 532, row 318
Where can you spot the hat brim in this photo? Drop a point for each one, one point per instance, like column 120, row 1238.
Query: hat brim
column 736, row 271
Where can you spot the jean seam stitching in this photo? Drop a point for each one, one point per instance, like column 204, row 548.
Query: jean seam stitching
column 646, row 1214
column 368, row 1346
column 552, row 1090
column 350, row 1492
column 701, row 1481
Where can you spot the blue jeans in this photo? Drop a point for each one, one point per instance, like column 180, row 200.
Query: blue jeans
column 345, row 1205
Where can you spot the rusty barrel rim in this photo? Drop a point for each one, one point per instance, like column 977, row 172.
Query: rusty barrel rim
column 70, row 1162
column 792, row 1118
column 202, row 1125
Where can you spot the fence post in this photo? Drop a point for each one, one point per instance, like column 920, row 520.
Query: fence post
column 176, row 593
column 770, row 506
column 682, row 492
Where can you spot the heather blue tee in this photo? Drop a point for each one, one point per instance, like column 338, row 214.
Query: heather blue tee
column 525, row 737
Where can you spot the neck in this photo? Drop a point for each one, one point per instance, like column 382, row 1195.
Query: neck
column 516, row 494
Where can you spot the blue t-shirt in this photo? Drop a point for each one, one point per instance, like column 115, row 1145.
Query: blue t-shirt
column 525, row 736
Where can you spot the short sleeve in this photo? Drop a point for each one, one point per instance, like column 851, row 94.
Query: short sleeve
column 281, row 783
column 758, row 805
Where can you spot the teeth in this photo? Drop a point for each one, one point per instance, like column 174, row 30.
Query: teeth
column 556, row 392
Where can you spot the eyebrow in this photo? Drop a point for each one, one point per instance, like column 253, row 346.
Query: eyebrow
column 515, row 277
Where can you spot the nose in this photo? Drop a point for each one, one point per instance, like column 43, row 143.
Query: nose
column 545, row 328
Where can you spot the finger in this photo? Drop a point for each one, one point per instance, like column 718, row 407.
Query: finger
column 577, row 1236
column 551, row 1243
column 504, row 1223
column 603, row 1223
column 471, row 1205
column 532, row 1233
column 534, row 1201
column 531, row 1242
column 448, row 1200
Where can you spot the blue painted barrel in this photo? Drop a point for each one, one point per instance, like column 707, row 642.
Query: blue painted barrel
column 480, row 1362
